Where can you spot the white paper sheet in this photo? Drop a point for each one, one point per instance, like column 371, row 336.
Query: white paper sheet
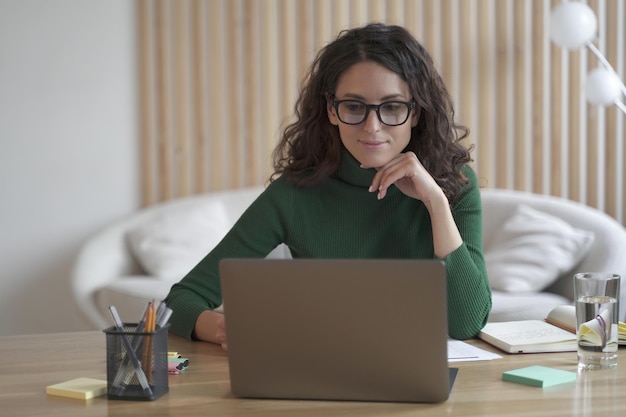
column 459, row 351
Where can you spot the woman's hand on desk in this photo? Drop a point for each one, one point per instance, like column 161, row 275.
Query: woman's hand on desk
column 210, row 327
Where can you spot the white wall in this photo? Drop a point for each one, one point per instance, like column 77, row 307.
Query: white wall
column 68, row 148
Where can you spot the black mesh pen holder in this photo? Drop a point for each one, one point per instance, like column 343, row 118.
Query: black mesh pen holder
column 136, row 363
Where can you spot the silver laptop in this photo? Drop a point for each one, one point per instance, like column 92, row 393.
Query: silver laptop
column 340, row 329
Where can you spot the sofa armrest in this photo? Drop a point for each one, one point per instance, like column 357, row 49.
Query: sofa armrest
column 103, row 259
column 606, row 253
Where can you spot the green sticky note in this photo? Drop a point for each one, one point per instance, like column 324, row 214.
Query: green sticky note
column 539, row 376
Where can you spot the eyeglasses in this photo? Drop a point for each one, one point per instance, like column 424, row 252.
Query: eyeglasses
column 390, row 113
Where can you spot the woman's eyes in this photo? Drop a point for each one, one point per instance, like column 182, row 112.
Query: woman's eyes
column 390, row 107
column 354, row 107
column 358, row 107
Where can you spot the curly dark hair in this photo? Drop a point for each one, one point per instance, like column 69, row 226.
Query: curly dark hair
column 310, row 147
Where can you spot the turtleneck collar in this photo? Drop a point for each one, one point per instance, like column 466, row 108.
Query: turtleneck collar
column 350, row 171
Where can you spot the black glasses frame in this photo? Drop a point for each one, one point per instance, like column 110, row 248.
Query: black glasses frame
column 376, row 107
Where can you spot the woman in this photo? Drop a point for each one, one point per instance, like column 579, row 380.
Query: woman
column 371, row 167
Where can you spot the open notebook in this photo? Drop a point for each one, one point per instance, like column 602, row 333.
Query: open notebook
column 557, row 333
column 368, row 330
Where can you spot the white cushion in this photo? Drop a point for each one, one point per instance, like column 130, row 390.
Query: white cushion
column 532, row 249
column 170, row 244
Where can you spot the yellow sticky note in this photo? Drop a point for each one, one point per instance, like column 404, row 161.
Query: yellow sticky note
column 81, row 388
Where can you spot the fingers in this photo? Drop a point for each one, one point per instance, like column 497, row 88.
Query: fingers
column 380, row 175
column 221, row 333
column 220, row 336
column 405, row 165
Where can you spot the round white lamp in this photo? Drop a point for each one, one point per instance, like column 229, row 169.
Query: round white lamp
column 574, row 25
column 603, row 87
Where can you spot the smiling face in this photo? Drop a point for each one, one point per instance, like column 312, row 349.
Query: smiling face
column 371, row 142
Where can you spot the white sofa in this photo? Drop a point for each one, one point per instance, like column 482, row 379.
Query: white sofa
column 108, row 269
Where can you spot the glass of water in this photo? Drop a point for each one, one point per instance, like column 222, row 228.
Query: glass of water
column 597, row 318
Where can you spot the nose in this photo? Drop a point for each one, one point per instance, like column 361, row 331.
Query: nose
column 372, row 123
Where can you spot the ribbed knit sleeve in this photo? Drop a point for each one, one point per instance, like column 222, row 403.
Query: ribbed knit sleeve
column 469, row 293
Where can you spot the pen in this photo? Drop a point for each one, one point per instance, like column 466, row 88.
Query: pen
column 165, row 316
column 125, row 372
column 141, row 376
column 159, row 311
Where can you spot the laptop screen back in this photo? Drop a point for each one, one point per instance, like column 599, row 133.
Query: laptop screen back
column 340, row 329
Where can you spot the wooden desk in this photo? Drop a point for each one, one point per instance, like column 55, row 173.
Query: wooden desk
column 30, row 363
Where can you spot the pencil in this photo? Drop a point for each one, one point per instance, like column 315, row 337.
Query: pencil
column 148, row 346
column 155, row 310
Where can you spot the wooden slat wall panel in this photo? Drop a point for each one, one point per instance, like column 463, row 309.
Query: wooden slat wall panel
column 219, row 78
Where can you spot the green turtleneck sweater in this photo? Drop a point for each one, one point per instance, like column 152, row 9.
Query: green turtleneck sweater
column 339, row 218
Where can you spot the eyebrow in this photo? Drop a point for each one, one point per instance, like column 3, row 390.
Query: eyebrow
column 387, row 97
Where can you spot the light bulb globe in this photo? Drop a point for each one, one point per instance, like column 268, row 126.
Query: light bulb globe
column 572, row 25
column 602, row 87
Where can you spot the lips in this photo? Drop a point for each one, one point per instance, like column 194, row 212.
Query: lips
column 373, row 145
